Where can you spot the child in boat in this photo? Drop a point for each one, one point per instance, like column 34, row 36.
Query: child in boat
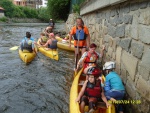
column 27, row 44
column 51, row 43
column 43, row 38
column 90, row 57
column 91, row 91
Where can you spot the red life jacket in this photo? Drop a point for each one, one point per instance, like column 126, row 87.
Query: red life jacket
column 88, row 58
column 94, row 91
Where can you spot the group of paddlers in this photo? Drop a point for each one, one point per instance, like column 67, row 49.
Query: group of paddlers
column 94, row 88
column 47, row 39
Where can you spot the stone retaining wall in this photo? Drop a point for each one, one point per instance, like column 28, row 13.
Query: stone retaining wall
column 124, row 29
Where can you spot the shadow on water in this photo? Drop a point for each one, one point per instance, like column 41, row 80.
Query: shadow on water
column 40, row 87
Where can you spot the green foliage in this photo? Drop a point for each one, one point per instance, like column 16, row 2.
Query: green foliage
column 76, row 8
column 12, row 10
column 3, row 19
column 43, row 14
column 58, row 9
column 8, row 6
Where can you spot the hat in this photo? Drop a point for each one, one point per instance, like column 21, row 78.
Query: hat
column 94, row 71
column 109, row 65
column 51, row 34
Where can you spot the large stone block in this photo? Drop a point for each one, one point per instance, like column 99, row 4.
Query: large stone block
column 145, row 17
column 128, row 19
column 118, row 55
column 123, row 74
column 143, row 5
column 110, row 51
column 97, row 27
column 110, row 41
column 128, row 31
column 130, row 87
column 105, row 30
column 108, row 15
column 125, row 8
column 144, row 68
column 113, row 20
column 125, row 43
column 112, row 31
column 137, row 49
column 130, row 64
column 135, row 27
column 106, row 38
column 113, row 12
column 144, row 34
column 120, row 31
column 134, row 6
column 114, row 44
column 143, row 88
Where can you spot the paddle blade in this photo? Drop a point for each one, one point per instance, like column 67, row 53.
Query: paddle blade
column 14, row 48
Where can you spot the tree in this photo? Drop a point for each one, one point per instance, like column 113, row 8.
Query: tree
column 8, row 6
column 58, row 9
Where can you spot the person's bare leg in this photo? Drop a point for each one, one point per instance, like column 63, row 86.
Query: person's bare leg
column 82, row 105
column 83, row 50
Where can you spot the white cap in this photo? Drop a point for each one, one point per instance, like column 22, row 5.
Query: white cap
column 109, row 65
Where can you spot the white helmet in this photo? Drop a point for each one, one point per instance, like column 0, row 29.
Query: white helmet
column 109, row 65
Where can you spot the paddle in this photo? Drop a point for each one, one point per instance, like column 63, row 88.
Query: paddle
column 14, row 48
column 76, row 59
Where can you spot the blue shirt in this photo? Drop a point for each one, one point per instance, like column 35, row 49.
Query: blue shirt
column 113, row 82
column 30, row 38
column 27, row 40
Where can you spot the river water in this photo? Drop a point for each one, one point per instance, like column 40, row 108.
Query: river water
column 40, row 87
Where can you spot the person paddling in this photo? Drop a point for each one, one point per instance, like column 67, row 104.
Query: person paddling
column 27, row 44
column 51, row 43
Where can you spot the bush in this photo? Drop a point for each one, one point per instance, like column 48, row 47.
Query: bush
column 43, row 14
column 4, row 19
column 58, row 9
column 76, row 8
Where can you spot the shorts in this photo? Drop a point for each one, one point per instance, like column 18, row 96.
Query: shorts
column 80, row 44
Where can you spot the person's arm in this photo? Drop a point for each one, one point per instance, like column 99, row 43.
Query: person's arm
column 102, row 51
column 48, row 42
column 70, row 37
column 81, row 60
column 88, row 40
column 82, row 91
column 104, row 99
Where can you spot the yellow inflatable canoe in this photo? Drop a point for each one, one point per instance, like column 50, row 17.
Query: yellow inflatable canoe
column 65, row 46
column 60, row 39
column 75, row 88
column 26, row 57
column 53, row 54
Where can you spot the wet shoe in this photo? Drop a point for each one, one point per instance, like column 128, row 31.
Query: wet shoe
column 91, row 110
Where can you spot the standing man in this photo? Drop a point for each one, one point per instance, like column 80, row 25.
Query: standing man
column 51, row 23
column 81, row 36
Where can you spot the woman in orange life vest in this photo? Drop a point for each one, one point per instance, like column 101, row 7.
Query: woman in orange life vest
column 90, row 57
column 91, row 92
column 80, row 31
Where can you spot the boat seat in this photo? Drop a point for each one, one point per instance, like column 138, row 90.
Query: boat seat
column 101, row 105
column 81, row 83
